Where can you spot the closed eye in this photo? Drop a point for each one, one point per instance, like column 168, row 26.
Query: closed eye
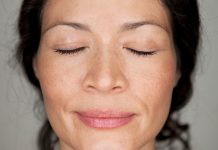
column 80, row 49
column 70, row 51
column 140, row 52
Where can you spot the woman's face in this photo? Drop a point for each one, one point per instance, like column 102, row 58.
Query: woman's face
column 107, row 70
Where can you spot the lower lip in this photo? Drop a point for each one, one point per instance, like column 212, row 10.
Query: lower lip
column 105, row 123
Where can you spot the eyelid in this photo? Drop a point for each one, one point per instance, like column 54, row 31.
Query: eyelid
column 70, row 50
column 141, row 52
column 80, row 49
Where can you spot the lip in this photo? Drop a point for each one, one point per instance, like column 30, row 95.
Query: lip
column 105, row 119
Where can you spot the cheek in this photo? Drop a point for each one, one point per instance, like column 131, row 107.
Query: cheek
column 59, row 84
column 155, row 79
column 154, row 83
column 59, row 80
column 155, row 92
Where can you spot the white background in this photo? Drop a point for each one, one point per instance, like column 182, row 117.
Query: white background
column 19, row 125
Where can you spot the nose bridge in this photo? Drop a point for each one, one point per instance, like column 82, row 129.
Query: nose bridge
column 105, row 73
column 107, row 63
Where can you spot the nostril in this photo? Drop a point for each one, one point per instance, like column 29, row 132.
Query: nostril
column 90, row 87
column 116, row 88
column 103, row 88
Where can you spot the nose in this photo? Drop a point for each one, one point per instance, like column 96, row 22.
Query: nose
column 105, row 75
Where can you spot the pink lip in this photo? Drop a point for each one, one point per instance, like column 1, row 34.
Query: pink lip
column 105, row 119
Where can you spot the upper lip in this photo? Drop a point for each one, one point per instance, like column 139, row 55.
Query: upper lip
column 95, row 113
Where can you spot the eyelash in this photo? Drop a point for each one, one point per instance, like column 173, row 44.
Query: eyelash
column 80, row 49
column 70, row 51
column 141, row 53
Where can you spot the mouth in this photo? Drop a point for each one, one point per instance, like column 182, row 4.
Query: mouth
column 105, row 119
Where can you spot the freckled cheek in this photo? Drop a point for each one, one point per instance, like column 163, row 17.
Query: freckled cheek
column 57, row 82
column 57, row 92
column 155, row 85
column 156, row 101
column 163, row 88
column 157, row 92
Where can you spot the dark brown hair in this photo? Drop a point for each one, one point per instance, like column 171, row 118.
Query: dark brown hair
column 185, row 22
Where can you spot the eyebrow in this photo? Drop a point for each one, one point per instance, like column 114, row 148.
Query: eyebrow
column 135, row 25
column 125, row 27
column 75, row 25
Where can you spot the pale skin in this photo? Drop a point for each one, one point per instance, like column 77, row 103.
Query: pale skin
column 105, row 73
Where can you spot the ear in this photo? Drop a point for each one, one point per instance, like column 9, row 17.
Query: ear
column 35, row 67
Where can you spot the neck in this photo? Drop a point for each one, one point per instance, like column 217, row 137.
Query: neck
column 149, row 146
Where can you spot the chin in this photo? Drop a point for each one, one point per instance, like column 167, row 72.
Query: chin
column 115, row 139
column 107, row 145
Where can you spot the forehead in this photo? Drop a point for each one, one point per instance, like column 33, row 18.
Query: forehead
column 109, row 13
